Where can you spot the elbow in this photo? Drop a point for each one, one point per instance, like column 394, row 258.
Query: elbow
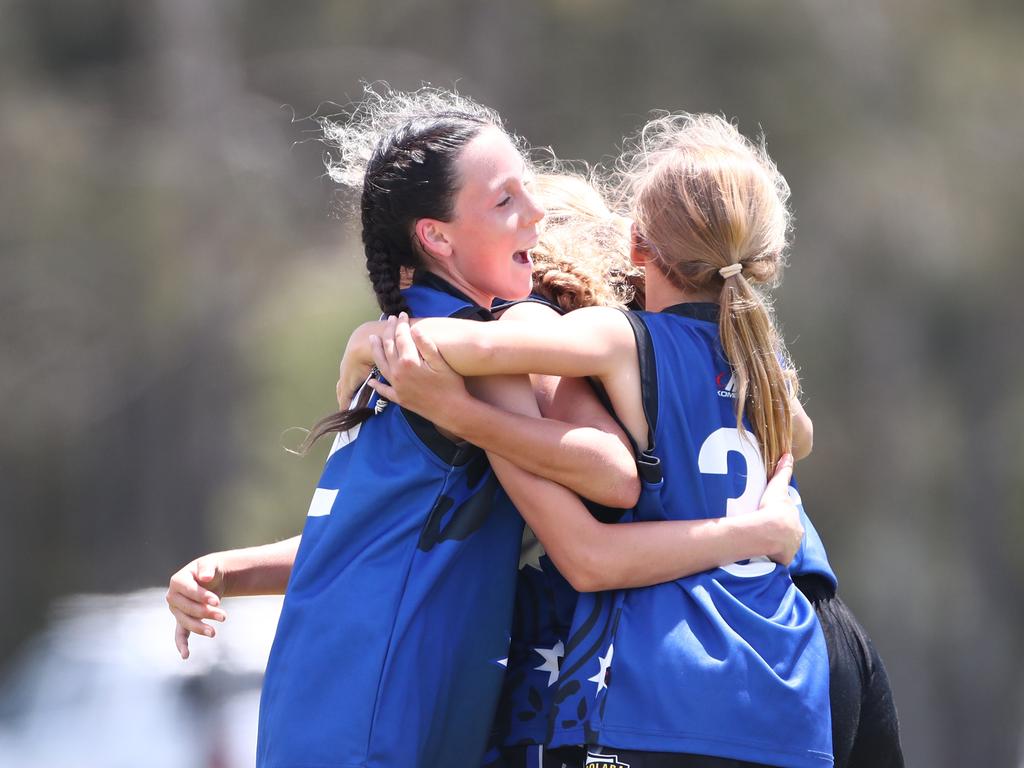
column 587, row 573
column 621, row 488
column 584, row 582
column 623, row 494
column 803, row 444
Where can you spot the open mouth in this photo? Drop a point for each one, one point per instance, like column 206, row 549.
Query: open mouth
column 521, row 257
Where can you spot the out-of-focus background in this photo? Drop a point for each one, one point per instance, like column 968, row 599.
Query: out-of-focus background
column 175, row 294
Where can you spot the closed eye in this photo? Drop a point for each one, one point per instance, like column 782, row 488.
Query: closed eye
column 505, row 201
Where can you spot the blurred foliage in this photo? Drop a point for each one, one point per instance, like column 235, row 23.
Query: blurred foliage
column 175, row 293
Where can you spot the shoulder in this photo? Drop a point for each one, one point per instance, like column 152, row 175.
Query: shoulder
column 528, row 311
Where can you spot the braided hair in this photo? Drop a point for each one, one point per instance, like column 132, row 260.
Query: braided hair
column 406, row 146
column 411, row 175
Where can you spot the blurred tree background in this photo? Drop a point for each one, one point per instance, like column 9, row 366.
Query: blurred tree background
column 175, row 293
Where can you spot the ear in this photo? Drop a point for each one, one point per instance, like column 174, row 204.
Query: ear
column 432, row 235
column 639, row 250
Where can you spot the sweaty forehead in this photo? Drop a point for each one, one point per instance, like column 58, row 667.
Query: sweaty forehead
column 488, row 160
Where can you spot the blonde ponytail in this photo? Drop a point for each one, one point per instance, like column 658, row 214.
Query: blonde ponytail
column 711, row 206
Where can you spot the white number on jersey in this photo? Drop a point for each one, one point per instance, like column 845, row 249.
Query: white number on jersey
column 714, row 460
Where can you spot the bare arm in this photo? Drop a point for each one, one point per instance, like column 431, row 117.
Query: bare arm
column 195, row 591
column 593, row 462
column 596, row 556
column 803, row 431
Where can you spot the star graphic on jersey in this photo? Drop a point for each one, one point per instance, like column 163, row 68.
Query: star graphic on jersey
column 504, row 662
column 530, row 551
column 601, row 678
column 551, row 658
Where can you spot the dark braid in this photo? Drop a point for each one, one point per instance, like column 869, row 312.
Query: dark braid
column 410, row 176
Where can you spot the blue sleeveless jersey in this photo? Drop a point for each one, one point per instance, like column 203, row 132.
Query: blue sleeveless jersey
column 811, row 559
column 544, row 605
column 391, row 645
column 730, row 662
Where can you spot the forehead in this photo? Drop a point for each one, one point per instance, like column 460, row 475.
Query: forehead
column 489, row 160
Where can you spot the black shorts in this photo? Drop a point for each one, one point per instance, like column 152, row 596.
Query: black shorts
column 538, row 756
column 865, row 728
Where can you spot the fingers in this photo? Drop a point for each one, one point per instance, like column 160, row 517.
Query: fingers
column 428, row 350
column 384, row 390
column 192, row 624
column 405, row 347
column 179, row 603
column 181, row 640
column 380, row 358
column 778, row 485
column 185, row 584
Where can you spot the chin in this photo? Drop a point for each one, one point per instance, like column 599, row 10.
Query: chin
column 519, row 288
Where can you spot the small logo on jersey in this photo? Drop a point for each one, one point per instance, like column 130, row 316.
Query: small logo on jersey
column 729, row 390
column 604, row 761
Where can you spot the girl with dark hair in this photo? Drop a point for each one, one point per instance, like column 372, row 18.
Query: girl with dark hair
column 397, row 609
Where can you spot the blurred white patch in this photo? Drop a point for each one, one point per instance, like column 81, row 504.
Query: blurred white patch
column 323, row 500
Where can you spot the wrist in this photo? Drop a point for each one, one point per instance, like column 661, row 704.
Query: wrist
column 755, row 533
column 463, row 416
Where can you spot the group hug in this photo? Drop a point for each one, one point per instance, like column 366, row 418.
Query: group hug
column 558, row 525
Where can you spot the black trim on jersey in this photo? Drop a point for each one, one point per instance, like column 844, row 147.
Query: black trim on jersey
column 647, row 463
column 603, row 513
column 449, row 451
column 533, row 298
column 696, row 310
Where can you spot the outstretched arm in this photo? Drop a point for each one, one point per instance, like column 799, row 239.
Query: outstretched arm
column 595, row 463
column 195, row 591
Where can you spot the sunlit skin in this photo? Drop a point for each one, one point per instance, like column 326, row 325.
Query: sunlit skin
column 483, row 250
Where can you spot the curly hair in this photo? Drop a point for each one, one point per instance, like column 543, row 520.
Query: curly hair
column 582, row 257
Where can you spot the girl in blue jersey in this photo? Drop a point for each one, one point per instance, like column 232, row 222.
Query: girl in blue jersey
column 731, row 664
column 399, row 595
column 583, row 260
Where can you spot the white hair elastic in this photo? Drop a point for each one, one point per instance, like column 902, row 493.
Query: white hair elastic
column 732, row 269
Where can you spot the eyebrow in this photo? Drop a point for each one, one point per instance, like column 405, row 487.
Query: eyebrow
column 505, row 180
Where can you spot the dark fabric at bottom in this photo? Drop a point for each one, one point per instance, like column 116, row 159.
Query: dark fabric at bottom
column 865, row 728
column 611, row 757
column 534, row 756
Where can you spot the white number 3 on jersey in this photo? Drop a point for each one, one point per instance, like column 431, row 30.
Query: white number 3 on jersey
column 714, row 460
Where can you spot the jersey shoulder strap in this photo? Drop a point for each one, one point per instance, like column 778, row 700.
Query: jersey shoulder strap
column 500, row 305
column 648, row 464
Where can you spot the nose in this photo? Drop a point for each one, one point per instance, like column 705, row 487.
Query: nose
column 534, row 210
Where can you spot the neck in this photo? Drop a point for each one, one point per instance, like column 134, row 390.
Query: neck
column 661, row 292
column 479, row 297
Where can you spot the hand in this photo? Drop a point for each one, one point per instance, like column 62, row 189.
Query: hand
column 418, row 377
column 194, row 594
column 780, row 516
column 356, row 364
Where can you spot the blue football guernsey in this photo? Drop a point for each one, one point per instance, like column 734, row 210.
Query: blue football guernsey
column 544, row 607
column 730, row 662
column 391, row 645
column 811, row 559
